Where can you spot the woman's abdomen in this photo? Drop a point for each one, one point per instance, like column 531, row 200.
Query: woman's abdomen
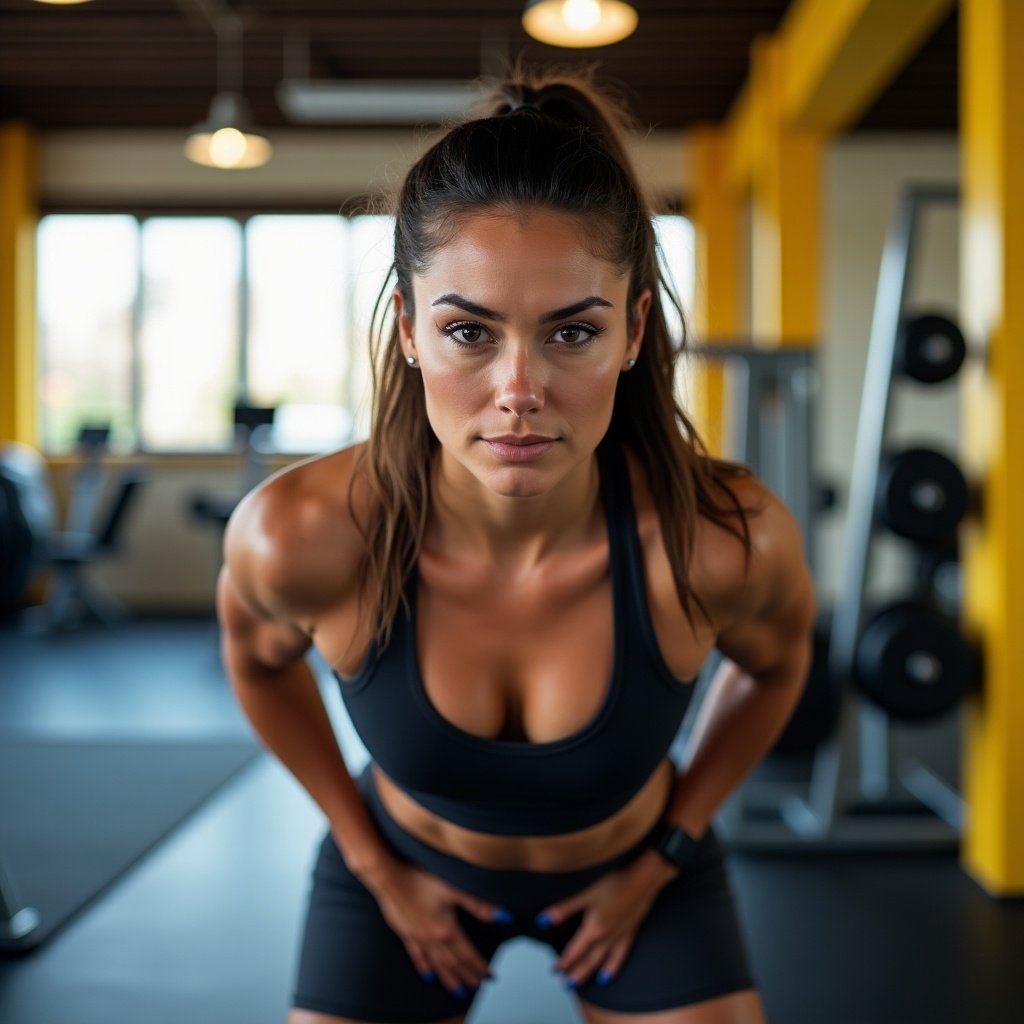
column 565, row 852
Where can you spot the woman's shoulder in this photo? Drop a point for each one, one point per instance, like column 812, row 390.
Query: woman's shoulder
column 294, row 542
column 775, row 541
column 718, row 568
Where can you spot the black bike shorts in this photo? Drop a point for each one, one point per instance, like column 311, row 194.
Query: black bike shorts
column 688, row 949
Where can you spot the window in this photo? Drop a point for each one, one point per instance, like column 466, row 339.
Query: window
column 159, row 325
column 88, row 274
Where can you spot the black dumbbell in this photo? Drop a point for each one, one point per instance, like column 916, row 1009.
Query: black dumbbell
column 913, row 662
column 920, row 495
column 929, row 349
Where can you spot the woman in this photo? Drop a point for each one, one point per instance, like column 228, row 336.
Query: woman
column 516, row 581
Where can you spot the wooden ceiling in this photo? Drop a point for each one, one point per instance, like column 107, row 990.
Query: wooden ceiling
column 150, row 63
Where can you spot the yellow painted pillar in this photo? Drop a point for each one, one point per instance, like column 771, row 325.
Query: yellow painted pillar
column 992, row 302
column 18, row 219
column 785, row 272
column 716, row 311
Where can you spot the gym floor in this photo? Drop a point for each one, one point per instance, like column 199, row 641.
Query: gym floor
column 204, row 928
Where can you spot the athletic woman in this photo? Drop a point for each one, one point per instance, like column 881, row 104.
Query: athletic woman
column 516, row 580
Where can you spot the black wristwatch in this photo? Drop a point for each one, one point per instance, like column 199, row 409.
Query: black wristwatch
column 675, row 844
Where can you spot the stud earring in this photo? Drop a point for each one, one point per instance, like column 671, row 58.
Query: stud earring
column 411, row 360
column 630, row 363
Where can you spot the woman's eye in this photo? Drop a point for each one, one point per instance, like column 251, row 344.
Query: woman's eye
column 465, row 334
column 576, row 334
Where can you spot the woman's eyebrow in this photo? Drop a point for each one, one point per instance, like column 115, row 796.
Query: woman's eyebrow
column 453, row 299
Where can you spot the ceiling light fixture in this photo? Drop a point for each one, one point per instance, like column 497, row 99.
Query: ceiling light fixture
column 62, row 3
column 227, row 139
column 579, row 23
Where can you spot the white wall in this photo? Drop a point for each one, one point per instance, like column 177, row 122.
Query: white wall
column 173, row 559
column 325, row 166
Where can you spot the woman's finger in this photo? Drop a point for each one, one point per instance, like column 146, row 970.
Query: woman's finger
column 484, row 910
column 453, row 973
column 559, row 912
column 585, row 966
column 420, row 960
column 616, row 958
column 474, row 966
column 579, row 947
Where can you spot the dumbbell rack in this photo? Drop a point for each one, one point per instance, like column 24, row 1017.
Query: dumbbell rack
column 867, row 811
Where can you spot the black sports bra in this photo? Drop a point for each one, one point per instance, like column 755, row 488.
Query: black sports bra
column 509, row 787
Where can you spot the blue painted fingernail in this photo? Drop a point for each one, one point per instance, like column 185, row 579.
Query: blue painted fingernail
column 502, row 916
column 428, row 976
column 571, row 983
column 460, row 992
column 543, row 921
column 603, row 977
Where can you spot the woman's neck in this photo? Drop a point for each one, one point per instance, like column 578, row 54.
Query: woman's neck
column 469, row 521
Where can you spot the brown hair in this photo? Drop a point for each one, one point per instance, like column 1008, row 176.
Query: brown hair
column 557, row 144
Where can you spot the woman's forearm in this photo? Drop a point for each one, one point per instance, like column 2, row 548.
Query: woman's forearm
column 287, row 712
column 738, row 724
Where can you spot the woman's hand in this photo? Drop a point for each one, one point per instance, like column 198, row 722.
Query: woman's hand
column 420, row 908
column 613, row 909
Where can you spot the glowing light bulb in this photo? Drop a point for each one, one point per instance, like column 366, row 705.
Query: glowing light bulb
column 227, row 147
column 581, row 14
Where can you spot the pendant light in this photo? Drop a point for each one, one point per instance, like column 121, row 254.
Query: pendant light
column 579, row 23
column 227, row 139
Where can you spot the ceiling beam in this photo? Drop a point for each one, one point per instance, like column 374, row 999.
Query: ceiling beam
column 839, row 55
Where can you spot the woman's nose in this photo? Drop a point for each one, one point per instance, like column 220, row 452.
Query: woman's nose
column 520, row 386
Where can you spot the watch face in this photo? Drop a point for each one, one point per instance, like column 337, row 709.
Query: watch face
column 677, row 845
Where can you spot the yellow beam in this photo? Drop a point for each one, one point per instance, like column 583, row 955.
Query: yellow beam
column 839, row 55
column 716, row 312
column 786, row 213
column 992, row 311
column 18, row 218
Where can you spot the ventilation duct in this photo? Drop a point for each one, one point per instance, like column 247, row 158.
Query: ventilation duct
column 324, row 101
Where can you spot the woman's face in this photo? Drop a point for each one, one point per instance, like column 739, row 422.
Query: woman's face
column 520, row 334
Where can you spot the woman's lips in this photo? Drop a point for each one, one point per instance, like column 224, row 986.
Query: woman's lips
column 520, row 449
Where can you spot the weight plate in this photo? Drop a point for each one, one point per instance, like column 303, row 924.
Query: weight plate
column 921, row 495
column 912, row 662
column 930, row 349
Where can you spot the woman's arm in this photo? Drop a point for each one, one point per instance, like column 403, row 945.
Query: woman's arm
column 768, row 651
column 277, row 691
column 767, row 648
column 290, row 559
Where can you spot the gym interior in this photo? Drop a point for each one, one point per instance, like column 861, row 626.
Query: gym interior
column 838, row 187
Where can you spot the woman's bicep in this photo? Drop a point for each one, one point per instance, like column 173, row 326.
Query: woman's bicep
column 251, row 637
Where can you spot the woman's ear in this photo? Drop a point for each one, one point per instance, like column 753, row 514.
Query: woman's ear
column 638, row 321
column 403, row 318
